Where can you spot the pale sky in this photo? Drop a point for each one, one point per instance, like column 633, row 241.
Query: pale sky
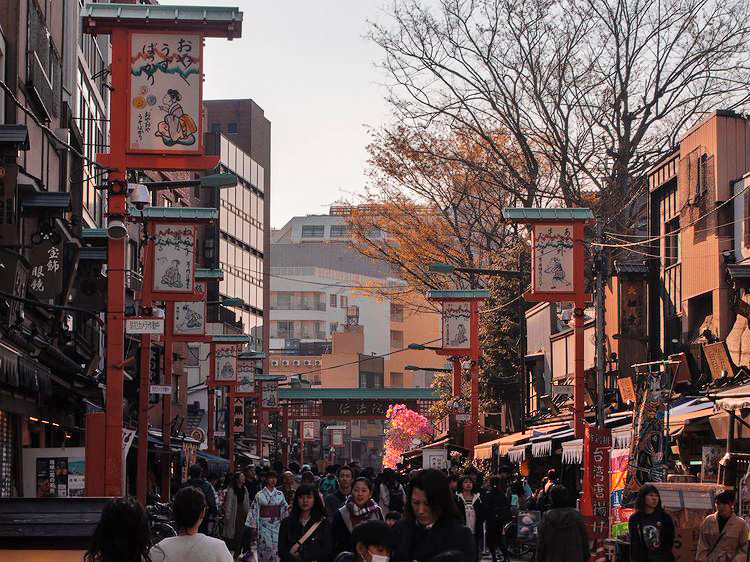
column 309, row 67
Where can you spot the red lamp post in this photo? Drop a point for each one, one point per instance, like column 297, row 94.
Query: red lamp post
column 142, row 29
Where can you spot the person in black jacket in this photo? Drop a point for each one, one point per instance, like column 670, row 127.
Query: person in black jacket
column 651, row 529
column 307, row 511
column 359, row 507
column 496, row 514
column 432, row 524
column 562, row 533
column 470, row 508
column 197, row 481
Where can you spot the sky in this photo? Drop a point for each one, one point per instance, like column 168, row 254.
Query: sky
column 308, row 65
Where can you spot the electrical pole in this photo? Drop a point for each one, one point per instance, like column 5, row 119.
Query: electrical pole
column 601, row 271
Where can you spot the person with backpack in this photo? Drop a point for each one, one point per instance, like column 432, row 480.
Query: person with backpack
column 562, row 533
column 391, row 494
column 329, row 483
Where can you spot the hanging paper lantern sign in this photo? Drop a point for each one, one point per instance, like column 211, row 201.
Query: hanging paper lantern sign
column 245, row 377
column 174, row 258
column 166, row 77
column 226, row 364
column 553, row 269
column 457, row 325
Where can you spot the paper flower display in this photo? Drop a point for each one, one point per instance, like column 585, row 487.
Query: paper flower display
column 405, row 429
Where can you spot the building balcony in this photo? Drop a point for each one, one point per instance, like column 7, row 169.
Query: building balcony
column 319, row 306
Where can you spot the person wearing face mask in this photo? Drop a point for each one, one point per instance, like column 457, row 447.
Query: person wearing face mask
column 723, row 536
column 359, row 507
column 305, row 536
column 372, row 543
column 432, row 524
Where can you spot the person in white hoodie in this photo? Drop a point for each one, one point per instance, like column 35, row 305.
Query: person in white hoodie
column 190, row 545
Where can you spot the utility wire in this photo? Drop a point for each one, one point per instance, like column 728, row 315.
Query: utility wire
column 45, row 128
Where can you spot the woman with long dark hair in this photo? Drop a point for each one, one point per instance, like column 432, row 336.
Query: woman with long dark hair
column 305, row 535
column 470, row 508
column 359, row 507
column 122, row 534
column 236, row 506
column 496, row 513
column 432, row 523
column 651, row 529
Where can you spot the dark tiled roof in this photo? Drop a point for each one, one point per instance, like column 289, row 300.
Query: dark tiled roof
column 16, row 135
column 631, row 267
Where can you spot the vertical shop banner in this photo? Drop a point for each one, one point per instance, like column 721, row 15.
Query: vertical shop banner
column 238, row 415
column 165, row 92
column 618, row 469
column 553, row 259
column 457, row 325
column 226, row 364
column 648, row 449
column 174, row 258
column 245, row 376
column 220, row 412
column 597, row 444
column 46, row 277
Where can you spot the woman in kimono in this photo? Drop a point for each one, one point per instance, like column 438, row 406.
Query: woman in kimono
column 264, row 517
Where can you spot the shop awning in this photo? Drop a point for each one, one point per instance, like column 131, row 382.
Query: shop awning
column 730, row 404
column 572, row 452
column 483, row 451
column 219, row 465
column 622, row 437
column 680, row 416
column 542, row 446
column 518, row 453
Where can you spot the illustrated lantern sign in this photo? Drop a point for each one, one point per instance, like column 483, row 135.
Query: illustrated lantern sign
column 226, row 364
column 189, row 318
column 552, row 252
column 271, row 395
column 174, row 258
column 166, row 78
column 245, row 377
column 457, row 325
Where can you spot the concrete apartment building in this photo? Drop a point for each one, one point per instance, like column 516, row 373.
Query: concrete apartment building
column 319, row 319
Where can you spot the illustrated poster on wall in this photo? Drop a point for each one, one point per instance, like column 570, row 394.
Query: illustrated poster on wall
column 553, row 259
column 457, row 325
column 59, row 477
column 226, row 363
column 165, row 92
column 245, row 376
column 174, row 258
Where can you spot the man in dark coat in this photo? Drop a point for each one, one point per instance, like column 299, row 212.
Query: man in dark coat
column 562, row 533
column 337, row 499
column 196, row 480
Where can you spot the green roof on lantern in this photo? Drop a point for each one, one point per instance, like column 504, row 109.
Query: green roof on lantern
column 529, row 214
column 458, row 294
column 171, row 213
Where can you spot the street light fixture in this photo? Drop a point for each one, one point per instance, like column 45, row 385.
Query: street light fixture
column 438, row 267
column 429, row 369
column 229, row 301
column 421, row 347
column 211, row 181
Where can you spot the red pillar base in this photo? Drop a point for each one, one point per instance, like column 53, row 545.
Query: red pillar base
column 95, row 437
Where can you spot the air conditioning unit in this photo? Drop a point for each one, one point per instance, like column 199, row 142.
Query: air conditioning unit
column 274, row 363
column 308, row 362
column 285, row 363
column 296, row 363
column 317, row 362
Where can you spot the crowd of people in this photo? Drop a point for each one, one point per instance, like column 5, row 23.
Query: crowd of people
column 353, row 515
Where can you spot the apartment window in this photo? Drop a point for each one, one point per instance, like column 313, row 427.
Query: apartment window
column 216, row 128
column 374, row 233
column 284, row 301
column 333, row 301
column 672, row 242
column 703, row 174
column 397, row 339
column 313, row 231
column 371, row 380
column 397, row 380
column 231, row 127
column 339, row 231
column 284, row 329
column 397, row 313
column 334, row 326
column 193, row 355
column 344, row 301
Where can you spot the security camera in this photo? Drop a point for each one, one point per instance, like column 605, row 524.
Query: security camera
column 116, row 229
column 139, row 195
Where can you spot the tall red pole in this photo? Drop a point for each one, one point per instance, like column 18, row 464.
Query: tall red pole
column 285, row 433
column 116, row 205
column 143, row 393
column 456, row 377
column 578, row 321
column 302, row 443
column 230, row 427
column 259, row 418
column 211, row 398
column 474, row 371
column 166, row 406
